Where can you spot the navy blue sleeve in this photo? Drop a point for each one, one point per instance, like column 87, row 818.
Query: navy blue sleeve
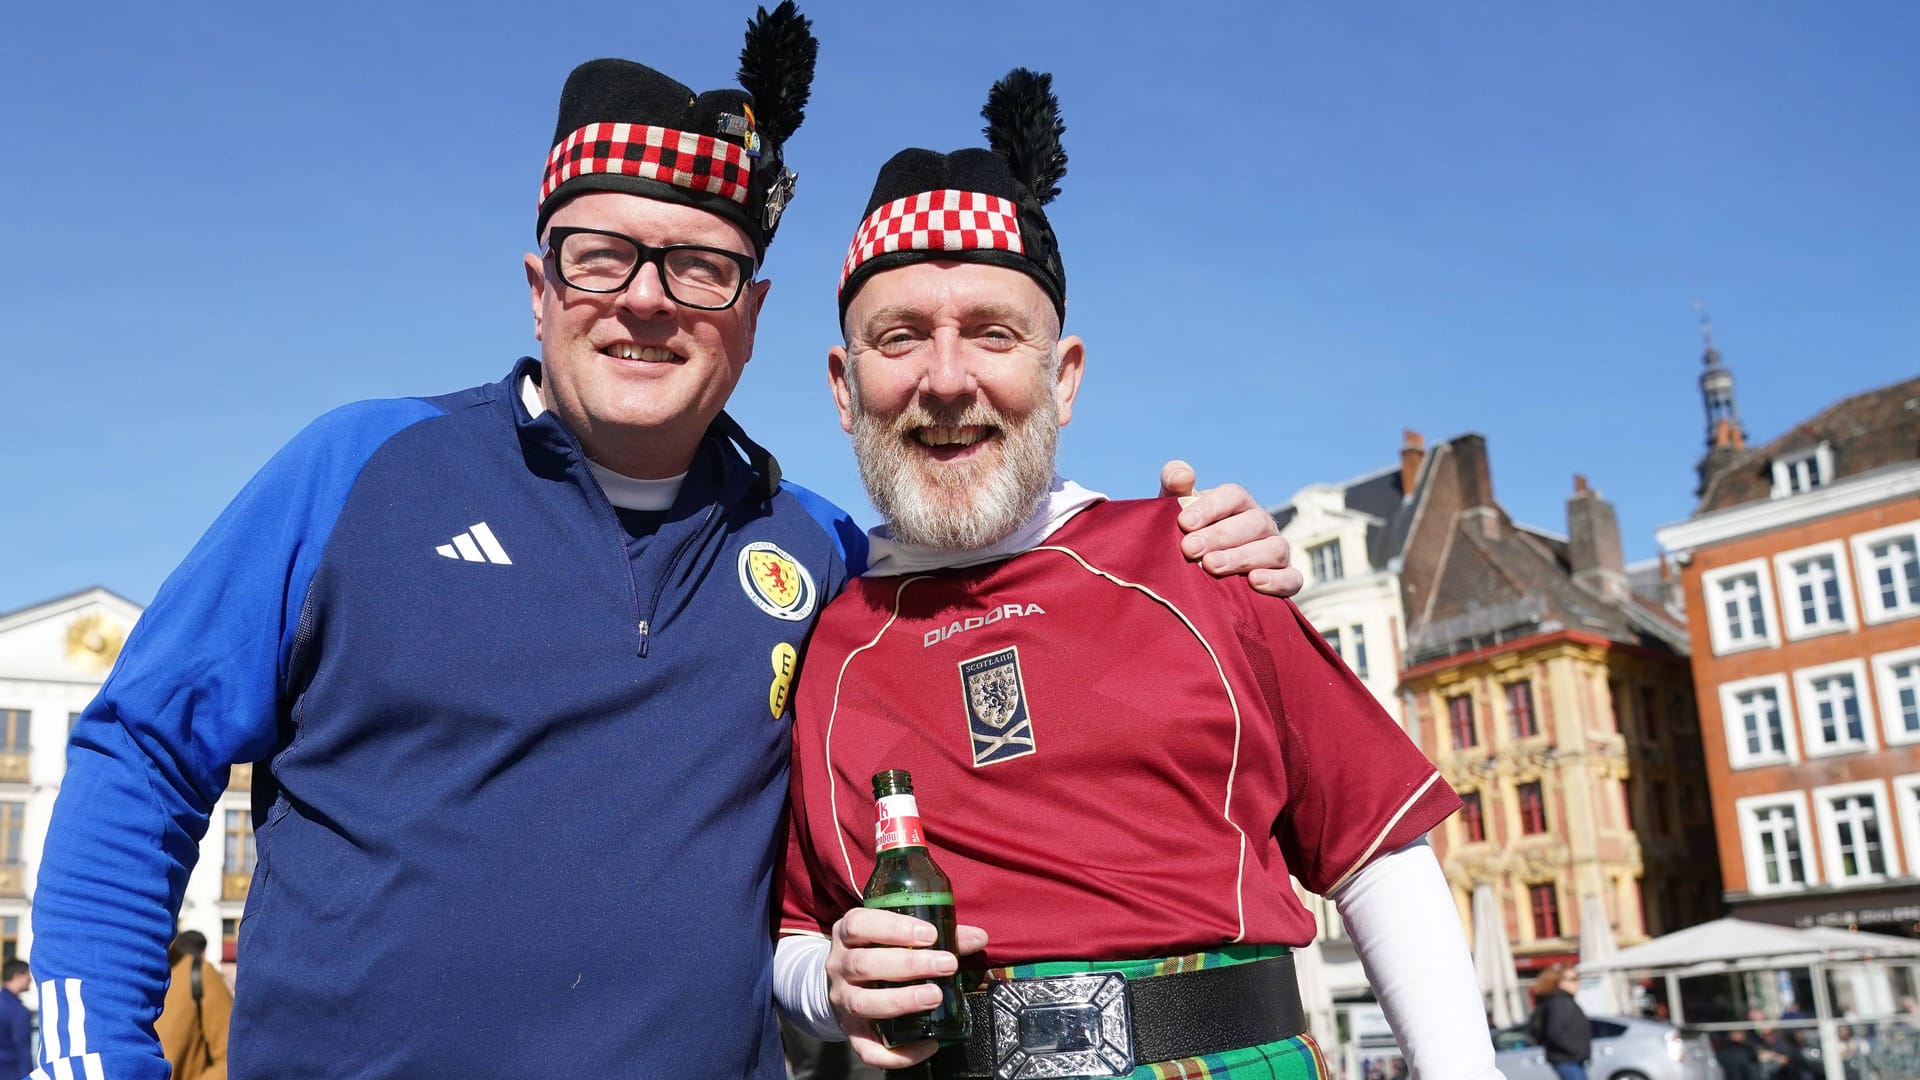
column 197, row 688
column 848, row 538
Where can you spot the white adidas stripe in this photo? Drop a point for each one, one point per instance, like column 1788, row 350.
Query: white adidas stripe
column 477, row 544
column 50, row 1019
column 63, row 1069
column 495, row 553
column 76, row 1021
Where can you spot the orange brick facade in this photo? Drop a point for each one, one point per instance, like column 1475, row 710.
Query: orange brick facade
column 1882, row 763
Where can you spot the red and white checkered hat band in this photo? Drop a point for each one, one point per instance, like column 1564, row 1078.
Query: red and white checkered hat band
column 946, row 220
column 680, row 158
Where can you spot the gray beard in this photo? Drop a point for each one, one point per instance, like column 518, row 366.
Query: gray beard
column 957, row 507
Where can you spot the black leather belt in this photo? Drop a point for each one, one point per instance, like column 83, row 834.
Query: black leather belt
column 1099, row 1024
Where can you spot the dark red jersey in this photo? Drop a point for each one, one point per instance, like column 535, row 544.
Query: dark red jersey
column 1115, row 753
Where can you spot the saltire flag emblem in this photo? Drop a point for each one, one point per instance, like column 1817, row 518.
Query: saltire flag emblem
column 998, row 721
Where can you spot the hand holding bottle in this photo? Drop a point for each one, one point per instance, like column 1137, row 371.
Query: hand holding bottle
column 874, row 952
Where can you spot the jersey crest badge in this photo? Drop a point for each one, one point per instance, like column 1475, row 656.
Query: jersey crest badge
column 996, row 697
column 776, row 582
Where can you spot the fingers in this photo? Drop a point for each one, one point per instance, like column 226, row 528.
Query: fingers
column 1237, row 531
column 968, row 940
column 873, row 926
column 1280, row 583
column 880, row 1055
column 1176, row 479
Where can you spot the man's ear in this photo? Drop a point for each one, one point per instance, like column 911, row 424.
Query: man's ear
column 1066, row 384
column 837, row 361
column 750, row 309
column 536, row 288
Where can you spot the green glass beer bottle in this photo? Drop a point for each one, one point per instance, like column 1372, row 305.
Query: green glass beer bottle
column 906, row 880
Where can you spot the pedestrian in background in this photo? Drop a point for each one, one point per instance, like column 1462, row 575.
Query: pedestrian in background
column 193, row 1022
column 1558, row 1024
column 16, row 1023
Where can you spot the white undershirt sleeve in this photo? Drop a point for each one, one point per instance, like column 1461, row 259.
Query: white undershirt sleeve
column 1401, row 916
column 800, row 985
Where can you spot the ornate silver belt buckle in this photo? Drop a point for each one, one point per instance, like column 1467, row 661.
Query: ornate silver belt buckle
column 1062, row 1026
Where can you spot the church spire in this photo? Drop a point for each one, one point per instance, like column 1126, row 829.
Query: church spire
column 1725, row 436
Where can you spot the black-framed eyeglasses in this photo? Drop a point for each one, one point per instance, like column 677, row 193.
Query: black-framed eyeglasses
column 597, row 261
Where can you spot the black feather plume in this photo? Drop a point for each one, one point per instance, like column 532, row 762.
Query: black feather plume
column 1024, row 127
column 776, row 67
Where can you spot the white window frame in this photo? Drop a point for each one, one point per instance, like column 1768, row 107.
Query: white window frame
column 1804, row 704
column 1906, row 798
column 1790, row 590
column 1747, row 812
column 1890, row 720
column 1737, row 755
column 1873, row 610
column 1337, row 559
column 1830, row 834
column 1716, row 613
column 1822, row 458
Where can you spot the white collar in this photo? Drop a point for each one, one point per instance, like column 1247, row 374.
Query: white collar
column 887, row 557
column 625, row 492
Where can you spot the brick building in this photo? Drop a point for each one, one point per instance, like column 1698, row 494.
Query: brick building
column 1557, row 702
column 1802, row 571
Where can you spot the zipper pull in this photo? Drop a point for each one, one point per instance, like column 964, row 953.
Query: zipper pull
column 643, row 638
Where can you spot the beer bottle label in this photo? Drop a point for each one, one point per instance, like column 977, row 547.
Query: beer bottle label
column 898, row 825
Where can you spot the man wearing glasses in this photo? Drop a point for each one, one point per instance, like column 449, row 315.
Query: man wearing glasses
column 517, row 662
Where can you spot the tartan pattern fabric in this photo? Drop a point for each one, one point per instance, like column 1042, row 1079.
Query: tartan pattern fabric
column 1298, row 1058
column 945, row 220
column 680, row 158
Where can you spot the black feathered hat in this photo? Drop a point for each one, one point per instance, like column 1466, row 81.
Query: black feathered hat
column 973, row 205
column 625, row 127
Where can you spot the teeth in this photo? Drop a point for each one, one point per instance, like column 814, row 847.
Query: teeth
column 653, row 354
column 950, row 436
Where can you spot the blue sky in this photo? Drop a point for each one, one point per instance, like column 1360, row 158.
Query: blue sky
column 1291, row 230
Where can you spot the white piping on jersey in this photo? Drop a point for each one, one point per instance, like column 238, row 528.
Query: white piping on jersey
column 1381, row 838
column 833, row 789
column 1226, row 808
column 1233, row 769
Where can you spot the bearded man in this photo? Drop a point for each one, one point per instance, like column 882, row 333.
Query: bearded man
column 1119, row 761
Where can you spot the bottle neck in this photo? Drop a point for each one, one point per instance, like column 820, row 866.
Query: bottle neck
column 897, row 824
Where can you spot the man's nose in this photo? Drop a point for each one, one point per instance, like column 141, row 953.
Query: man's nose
column 646, row 295
column 948, row 374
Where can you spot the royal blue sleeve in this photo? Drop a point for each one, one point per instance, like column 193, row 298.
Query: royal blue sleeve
column 197, row 688
column 848, row 538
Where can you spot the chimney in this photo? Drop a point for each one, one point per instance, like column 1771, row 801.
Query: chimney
column 1413, row 451
column 1593, row 542
column 1475, row 476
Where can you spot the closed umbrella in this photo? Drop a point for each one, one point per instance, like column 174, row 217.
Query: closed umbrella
column 1597, row 947
column 1493, row 960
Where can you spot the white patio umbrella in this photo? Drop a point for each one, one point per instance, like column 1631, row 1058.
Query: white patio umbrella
column 1316, row 997
column 1493, row 960
column 1605, row 991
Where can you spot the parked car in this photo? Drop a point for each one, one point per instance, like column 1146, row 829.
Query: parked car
column 1624, row 1048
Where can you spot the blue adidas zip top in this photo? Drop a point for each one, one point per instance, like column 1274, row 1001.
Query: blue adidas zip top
column 524, row 760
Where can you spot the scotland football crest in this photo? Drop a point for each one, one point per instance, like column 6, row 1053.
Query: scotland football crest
column 997, row 716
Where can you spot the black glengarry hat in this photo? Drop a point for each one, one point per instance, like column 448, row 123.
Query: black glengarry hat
column 973, row 205
column 625, row 127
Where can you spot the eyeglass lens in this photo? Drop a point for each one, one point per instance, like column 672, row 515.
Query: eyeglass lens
column 700, row 277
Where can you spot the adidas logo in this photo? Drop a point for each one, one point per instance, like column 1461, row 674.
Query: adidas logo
column 477, row 544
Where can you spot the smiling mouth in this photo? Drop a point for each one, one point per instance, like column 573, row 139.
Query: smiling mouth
column 951, row 442
column 649, row 354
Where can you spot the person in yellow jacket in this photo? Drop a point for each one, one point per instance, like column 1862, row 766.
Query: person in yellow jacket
column 193, row 1022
